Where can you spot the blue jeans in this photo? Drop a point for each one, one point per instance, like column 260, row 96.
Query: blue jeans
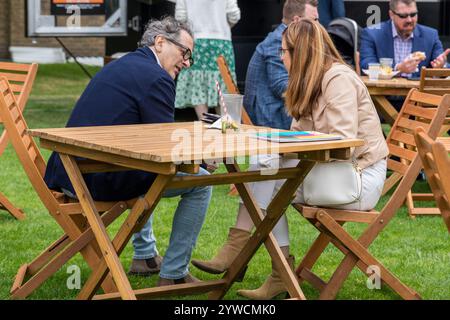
column 187, row 223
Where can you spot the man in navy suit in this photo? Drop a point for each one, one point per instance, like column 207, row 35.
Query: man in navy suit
column 400, row 36
column 140, row 88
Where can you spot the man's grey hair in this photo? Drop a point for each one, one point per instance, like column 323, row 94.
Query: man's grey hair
column 167, row 27
column 393, row 3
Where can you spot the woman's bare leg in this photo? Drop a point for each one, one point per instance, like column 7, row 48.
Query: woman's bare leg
column 200, row 109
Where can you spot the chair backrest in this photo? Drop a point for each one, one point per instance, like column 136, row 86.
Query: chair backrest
column 21, row 78
column 403, row 159
column 436, row 162
column 226, row 75
column 419, row 110
column 27, row 151
column 230, row 84
column 435, row 81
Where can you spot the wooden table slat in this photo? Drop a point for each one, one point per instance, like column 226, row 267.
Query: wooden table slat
column 140, row 142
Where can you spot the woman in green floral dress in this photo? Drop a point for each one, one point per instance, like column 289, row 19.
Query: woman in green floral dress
column 211, row 22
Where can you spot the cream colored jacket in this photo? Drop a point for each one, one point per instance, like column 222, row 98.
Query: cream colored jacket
column 345, row 108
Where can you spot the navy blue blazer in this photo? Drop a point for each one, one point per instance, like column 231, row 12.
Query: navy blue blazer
column 131, row 90
column 377, row 42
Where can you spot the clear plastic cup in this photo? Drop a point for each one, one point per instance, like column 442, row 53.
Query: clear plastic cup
column 386, row 65
column 374, row 71
column 233, row 103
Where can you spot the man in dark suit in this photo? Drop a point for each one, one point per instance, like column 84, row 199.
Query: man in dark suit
column 401, row 36
column 140, row 88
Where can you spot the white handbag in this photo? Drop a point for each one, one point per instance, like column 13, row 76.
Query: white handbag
column 333, row 183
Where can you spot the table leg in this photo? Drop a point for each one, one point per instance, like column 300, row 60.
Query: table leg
column 137, row 217
column 264, row 225
column 385, row 108
column 98, row 228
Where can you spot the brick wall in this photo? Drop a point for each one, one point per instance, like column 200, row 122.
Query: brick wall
column 4, row 29
column 78, row 46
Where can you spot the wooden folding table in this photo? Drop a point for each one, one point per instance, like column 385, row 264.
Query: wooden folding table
column 380, row 89
column 165, row 149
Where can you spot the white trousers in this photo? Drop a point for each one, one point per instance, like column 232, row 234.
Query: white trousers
column 373, row 178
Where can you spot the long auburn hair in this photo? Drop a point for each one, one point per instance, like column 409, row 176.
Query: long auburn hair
column 312, row 53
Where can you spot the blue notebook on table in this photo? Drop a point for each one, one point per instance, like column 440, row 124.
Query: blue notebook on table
column 297, row 136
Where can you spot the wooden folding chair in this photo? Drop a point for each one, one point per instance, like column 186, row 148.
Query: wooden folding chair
column 436, row 162
column 330, row 221
column 433, row 81
column 21, row 78
column 436, row 81
column 67, row 212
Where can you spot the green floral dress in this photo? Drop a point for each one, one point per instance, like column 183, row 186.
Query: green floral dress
column 197, row 85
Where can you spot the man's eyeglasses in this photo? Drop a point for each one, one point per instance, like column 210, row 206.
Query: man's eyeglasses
column 405, row 15
column 282, row 51
column 187, row 53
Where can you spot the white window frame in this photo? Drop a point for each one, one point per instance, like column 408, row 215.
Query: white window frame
column 37, row 26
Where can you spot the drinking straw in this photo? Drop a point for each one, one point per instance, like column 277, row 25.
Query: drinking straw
column 222, row 101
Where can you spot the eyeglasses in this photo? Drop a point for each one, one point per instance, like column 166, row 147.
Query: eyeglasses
column 405, row 15
column 187, row 53
column 281, row 52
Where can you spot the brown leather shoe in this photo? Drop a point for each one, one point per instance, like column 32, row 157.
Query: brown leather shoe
column 145, row 267
column 189, row 278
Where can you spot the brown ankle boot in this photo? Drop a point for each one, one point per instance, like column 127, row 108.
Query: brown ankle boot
column 145, row 267
column 189, row 278
column 237, row 238
column 272, row 287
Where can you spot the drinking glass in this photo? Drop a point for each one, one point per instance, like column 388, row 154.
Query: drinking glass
column 233, row 103
column 374, row 71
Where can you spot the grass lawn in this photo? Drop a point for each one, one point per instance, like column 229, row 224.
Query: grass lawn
column 417, row 251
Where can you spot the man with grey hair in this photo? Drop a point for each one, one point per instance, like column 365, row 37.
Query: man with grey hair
column 409, row 44
column 140, row 88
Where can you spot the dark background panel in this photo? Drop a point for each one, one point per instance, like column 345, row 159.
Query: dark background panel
column 259, row 17
column 429, row 12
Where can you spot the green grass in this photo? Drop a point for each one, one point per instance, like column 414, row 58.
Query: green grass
column 417, row 251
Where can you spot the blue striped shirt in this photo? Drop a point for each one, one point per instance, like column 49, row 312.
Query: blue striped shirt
column 402, row 48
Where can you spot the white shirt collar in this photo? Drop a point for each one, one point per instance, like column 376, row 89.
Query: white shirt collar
column 156, row 56
column 395, row 33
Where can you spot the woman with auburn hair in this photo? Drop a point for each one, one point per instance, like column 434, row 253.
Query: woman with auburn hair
column 326, row 95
